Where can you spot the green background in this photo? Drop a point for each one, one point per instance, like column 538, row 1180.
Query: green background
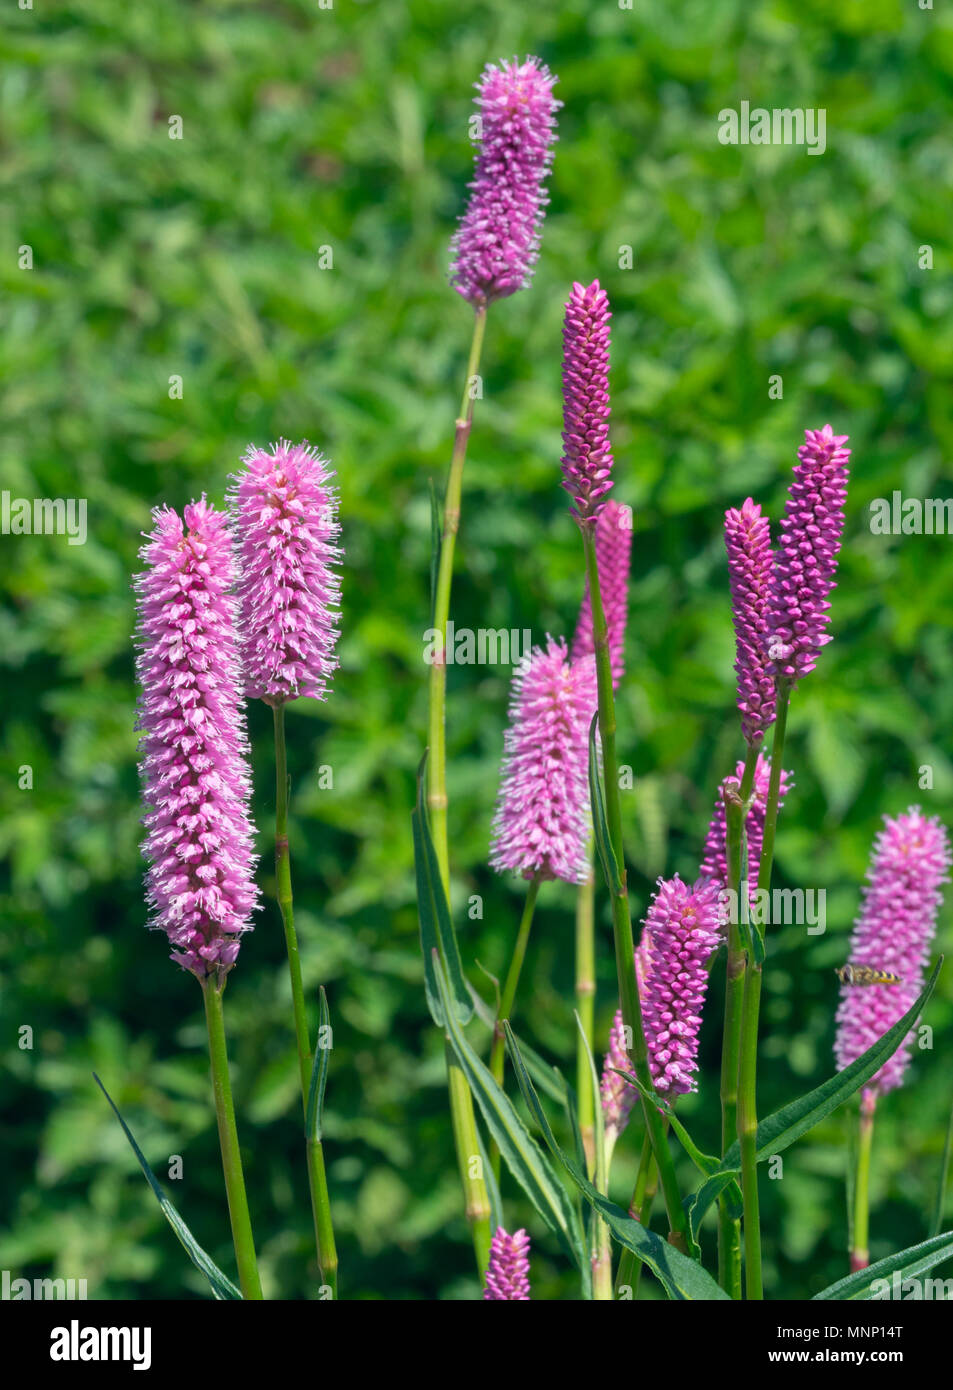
column 347, row 127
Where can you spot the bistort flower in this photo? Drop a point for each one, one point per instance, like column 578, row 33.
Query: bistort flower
column 284, row 514
column 507, row 1275
column 748, row 542
column 897, row 921
column 806, row 560
column 587, row 452
column 541, row 826
column 193, row 754
column 497, row 244
column 680, row 932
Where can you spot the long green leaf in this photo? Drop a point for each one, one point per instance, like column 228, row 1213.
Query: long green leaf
column 319, row 1072
column 436, row 924
column 517, row 1146
column 492, row 1186
column 944, row 1174
column 221, row 1286
column 907, row 1264
column 788, row 1124
column 681, row 1277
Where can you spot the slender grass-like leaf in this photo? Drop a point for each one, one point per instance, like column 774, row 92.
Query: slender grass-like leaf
column 681, row 1277
column 436, row 925
column 906, row 1264
column 319, row 1072
column 492, row 1186
column 944, row 1174
column 221, row 1286
column 523, row 1156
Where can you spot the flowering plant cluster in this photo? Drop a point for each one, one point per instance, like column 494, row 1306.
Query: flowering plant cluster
column 243, row 604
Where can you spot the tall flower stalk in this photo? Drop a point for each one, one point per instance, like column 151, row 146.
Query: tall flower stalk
column 492, row 255
column 196, row 783
column 587, row 463
column 613, row 554
column 892, row 935
column 802, row 577
column 284, row 510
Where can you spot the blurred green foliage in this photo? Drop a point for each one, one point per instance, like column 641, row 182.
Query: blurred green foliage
column 346, row 128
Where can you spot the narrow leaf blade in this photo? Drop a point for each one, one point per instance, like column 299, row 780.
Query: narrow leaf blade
column 221, row 1286
column 319, row 1072
column 906, row 1264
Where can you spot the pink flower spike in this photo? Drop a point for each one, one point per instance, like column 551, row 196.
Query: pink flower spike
column 541, row 826
column 806, row 560
column 897, row 922
column 613, row 556
column 497, row 244
column 193, row 755
column 587, row 452
column 748, row 542
column 284, row 514
column 681, row 931
column 507, row 1275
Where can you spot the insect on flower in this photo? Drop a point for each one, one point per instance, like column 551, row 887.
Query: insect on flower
column 866, row 975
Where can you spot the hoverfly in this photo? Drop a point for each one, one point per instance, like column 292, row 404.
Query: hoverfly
column 865, row 975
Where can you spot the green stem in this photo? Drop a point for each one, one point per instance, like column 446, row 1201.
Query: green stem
column 621, row 920
column 469, row 1161
column 498, row 1051
column 585, row 1008
column 314, row 1152
column 437, row 759
column 747, row 1130
column 750, row 1010
column 729, row 1229
column 242, row 1237
column 630, row 1266
column 860, row 1251
column 475, row 1197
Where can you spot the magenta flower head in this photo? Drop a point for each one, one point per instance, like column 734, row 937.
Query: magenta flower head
column 507, row 1275
column 284, row 514
column 497, row 244
column 714, row 865
column 541, row 826
column 680, row 932
column 587, row 456
column 911, row 859
column 193, row 756
column 613, row 555
column 748, row 542
column 806, row 560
